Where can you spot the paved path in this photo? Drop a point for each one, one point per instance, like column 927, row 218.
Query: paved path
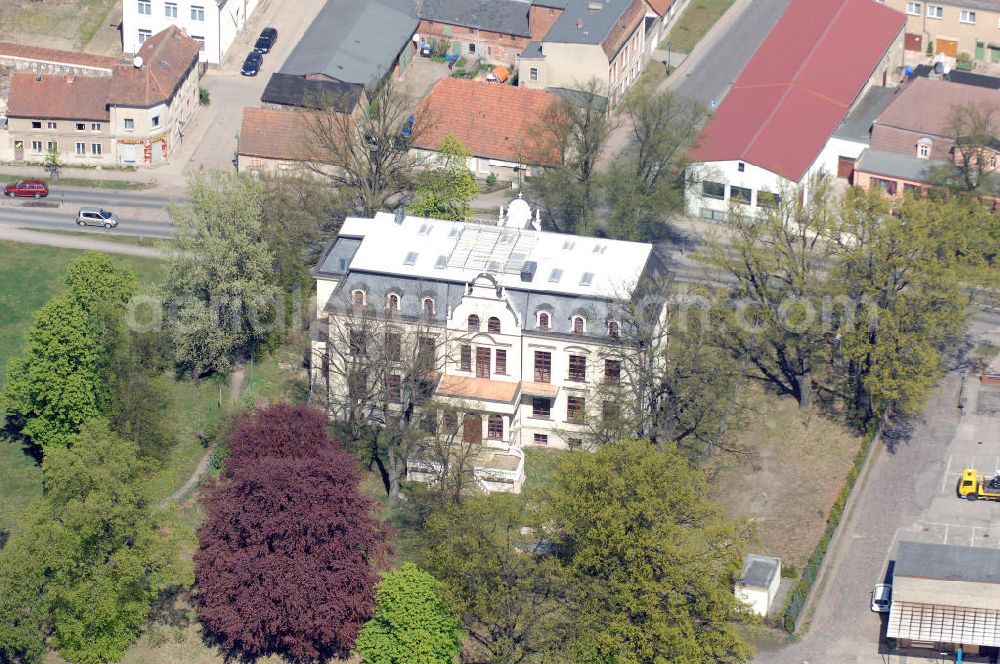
column 78, row 242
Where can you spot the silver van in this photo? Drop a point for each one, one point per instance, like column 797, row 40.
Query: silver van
column 97, row 217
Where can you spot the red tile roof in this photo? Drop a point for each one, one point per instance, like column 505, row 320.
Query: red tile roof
column 168, row 57
column 44, row 96
column 491, row 120
column 660, row 6
column 799, row 85
column 271, row 133
column 41, row 54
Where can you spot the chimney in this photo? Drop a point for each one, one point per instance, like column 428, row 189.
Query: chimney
column 579, row 23
column 71, row 78
column 400, row 214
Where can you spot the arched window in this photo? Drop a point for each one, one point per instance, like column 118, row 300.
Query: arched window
column 493, row 325
column 393, row 304
column 579, row 325
column 358, row 298
column 614, row 329
column 543, row 321
column 473, row 323
column 428, row 306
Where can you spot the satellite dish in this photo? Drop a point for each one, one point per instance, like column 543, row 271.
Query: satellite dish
column 938, row 67
column 137, row 61
column 946, row 70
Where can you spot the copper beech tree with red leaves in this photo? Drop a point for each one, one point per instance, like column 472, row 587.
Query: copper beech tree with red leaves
column 290, row 550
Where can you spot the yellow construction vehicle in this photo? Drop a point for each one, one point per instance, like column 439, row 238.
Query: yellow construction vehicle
column 974, row 486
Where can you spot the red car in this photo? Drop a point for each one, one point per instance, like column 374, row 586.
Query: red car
column 35, row 188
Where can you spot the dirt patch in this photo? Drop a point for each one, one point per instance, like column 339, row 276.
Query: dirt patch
column 800, row 462
column 62, row 24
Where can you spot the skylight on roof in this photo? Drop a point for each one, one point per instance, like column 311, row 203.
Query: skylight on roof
column 599, row 248
column 425, row 229
column 411, row 258
column 441, row 262
column 586, row 278
column 568, row 245
column 556, row 275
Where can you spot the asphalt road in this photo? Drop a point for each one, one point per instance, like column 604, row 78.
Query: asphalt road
column 714, row 73
column 142, row 212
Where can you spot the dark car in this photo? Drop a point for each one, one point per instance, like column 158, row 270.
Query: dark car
column 33, row 188
column 251, row 66
column 266, row 40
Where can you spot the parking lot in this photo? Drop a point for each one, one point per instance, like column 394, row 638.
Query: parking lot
column 976, row 444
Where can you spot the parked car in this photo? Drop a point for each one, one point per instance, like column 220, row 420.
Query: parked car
column 881, row 598
column 251, row 66
column 33, row 188
column 97, row 217
column 266, row 40
column 426, row 49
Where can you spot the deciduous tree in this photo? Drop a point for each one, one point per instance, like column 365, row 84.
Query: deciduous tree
column 365, row 155
column 514, row 602
column 655, row 558
column 290, row 549
column 221, row 274
column 445, row 190
column 94, row 554
column 412, row 623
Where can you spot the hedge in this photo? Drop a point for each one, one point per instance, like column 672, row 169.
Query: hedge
column 799, row 594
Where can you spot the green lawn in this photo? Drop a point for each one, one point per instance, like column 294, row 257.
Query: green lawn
column 53, row 24
column 110, row 236
column 694, row 23
column 93, row 183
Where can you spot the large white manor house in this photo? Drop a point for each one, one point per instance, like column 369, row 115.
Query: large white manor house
column 515, row 325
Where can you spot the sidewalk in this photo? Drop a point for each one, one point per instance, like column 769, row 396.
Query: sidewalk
column 78, row 242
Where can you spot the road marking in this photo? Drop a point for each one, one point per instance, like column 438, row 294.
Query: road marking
column 944, row 480
column 972, row 540
column 946, row 533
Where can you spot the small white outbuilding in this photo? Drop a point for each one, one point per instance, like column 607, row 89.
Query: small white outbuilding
column 759, row 583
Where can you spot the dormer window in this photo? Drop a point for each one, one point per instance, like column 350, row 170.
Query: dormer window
column 427, row 306
column 358, row 298
column 924, row 148
column 579, row 325
column 473, row 323
column 614, row 329
column 543, row 321
column 393, row 303
column 493, row 325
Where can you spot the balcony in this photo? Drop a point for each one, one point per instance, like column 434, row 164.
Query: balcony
column 494, row 470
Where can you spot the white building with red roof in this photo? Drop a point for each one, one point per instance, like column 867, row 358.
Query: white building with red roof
column 775, row 129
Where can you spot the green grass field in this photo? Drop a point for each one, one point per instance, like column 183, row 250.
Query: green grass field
column 696, row 20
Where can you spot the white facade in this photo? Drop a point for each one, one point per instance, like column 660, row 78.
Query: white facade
column 714, row 184
column 213, row 23
column 520, row 356
column 760, row 582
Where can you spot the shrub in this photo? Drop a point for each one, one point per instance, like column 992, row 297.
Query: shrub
column 204, row 96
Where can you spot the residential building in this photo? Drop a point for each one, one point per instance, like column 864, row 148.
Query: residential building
column 945, row 599
column 951, row 27
column 214, row 24
column 913, row 139
column 495, row 30
column 135, row 116
column 522, row 324
column 660, row 15
column 772, row 131
column 502, row 126
column 273, row 141
column 591, row 40
column 351, row 42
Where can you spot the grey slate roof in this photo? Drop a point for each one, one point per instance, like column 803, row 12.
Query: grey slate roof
column 289, row 90
column 947, row 562
column 503, row 16
column 892, row 164
column 354, row 42
column 963, row 77
column 532, row 50
column 857, row 125
column 597, row 23
column 985, row 5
